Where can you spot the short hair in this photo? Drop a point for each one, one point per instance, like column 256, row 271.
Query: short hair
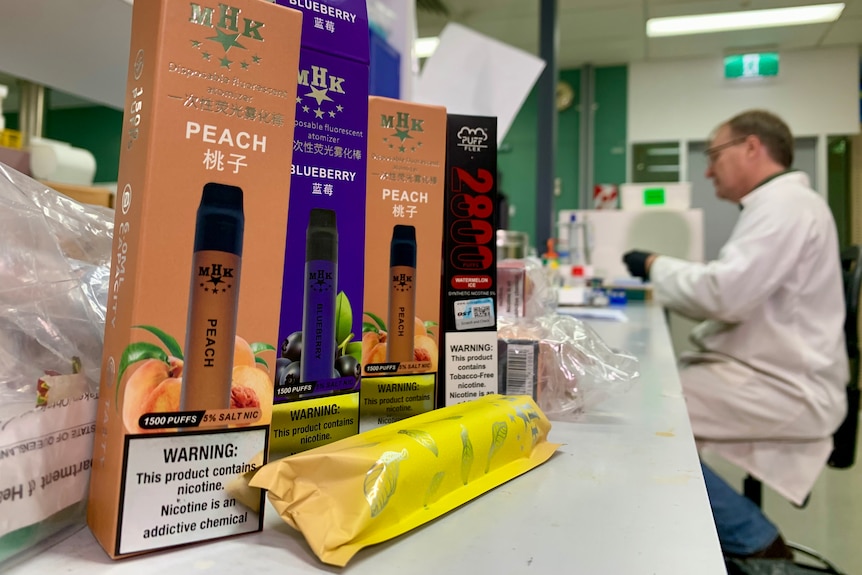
column 769, row 129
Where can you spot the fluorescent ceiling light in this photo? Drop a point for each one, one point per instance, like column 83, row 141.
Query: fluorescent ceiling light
column 743, row 20
column 425, row 46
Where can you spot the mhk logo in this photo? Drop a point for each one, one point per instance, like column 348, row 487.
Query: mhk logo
column 402, row 282
column 227, row 18
column 320, row 280
column 217, row 275
column 402, row 122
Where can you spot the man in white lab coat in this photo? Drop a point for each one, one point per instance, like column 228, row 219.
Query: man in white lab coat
column 766, row 388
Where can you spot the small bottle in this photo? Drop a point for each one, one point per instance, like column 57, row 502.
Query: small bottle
column 575, row 248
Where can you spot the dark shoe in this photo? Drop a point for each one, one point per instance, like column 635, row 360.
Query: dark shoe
column 742, row 566
column 778, row 549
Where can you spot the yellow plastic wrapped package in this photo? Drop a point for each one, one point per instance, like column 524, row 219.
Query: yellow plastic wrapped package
column 379, row 484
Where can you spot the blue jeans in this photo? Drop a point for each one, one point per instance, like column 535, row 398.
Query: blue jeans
column 742, row 528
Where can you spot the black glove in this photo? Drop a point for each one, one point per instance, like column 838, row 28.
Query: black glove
column 636, row 261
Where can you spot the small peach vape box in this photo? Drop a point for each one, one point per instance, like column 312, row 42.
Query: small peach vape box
column 403, row 244
column 185, row 398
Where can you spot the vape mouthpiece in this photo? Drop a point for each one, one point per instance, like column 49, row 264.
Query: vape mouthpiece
column 321, row 241
column 220, row 219
column 403, row 248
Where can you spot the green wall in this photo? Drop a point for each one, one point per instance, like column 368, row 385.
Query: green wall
column 517, row 157
column 94, row 128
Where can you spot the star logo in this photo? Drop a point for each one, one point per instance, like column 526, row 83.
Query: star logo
column 196, row 44
column 340, row 108
column 255, row 59
column 402, row 134
column 227, row 41
column 244, row 65
column 225, row 63
column 331, row 114
column 401, row 149
column 206, row 55
column 319, row 95
column 299, row 99
column 318, row 113
column 305, row 109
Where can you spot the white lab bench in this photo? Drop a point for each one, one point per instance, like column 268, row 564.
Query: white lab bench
column 623, row 495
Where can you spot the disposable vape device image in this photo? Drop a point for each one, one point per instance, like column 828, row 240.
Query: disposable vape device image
column 402, row 294
column 318, row 316
column 213, row 299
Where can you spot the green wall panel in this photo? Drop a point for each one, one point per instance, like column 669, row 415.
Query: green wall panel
column 517, row 158
column 611, row 96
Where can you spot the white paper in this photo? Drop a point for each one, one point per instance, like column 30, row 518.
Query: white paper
column 476, row 75
column 599, row 313
column 45, row 460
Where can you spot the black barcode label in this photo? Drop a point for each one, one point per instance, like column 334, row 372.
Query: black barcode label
column 520, row 372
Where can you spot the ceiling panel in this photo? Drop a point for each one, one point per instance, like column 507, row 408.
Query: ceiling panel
column 62, row 45
column 844, row 31
column 719, row 43
column 612, row 31
column 595, row 24
column 687, row 7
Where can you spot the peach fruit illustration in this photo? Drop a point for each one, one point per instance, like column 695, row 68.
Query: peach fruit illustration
column 154, row 385
column 242, row 353
column 141, row 384
column 165, row 398
column 425, row 349
column 251, row 387
column 424, row 346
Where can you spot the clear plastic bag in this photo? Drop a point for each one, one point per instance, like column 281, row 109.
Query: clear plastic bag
column 558, row 359
column 54, row 275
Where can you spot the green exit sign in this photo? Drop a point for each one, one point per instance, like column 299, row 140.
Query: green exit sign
column 758, row 65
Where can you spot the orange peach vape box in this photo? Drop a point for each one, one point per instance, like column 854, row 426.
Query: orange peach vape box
column 185, row 398
column 403, row 247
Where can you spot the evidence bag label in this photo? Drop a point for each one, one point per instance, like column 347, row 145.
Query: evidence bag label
column 45, row 461
column 176, row 488
column 471, row 365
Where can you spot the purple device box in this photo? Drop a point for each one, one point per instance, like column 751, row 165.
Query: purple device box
column 328, row 173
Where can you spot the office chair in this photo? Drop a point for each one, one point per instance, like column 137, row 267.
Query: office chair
column 844, row 439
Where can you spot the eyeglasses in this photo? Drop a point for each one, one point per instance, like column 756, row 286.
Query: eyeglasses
column 713, row 152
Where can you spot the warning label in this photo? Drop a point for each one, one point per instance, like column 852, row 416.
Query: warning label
column 386, row 399
column 176, row 488
column 471, row 365
column 304, row 424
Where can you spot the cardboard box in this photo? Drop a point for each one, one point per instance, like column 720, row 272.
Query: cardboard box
column 186, row 383
column 317, row 380
column 403, row 244
column 468, row 362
